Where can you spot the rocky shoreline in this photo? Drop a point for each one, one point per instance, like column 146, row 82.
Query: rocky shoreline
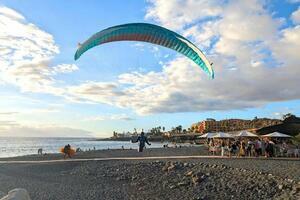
column 205, row 178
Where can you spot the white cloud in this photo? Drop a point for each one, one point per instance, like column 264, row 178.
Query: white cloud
column 8, row 113
column 6, row 123
column 11, row 13
column 95, row 91
column 40, row 110
column 26, row 52
column 123, row 117
column 296, row 16
column 17, row 130
column 65, row 68
column 286, row 49
column 176, row 14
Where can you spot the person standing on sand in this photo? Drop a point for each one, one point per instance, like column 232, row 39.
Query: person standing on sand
column 40, row 151
column 242, row 149
column 258, row 148
column 67, row 150
column 142, row 139
column 222, row 148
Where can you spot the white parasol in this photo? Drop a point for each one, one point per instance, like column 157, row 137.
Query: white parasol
column 278, row 135
column 222, row 135
column 246, row 134
column 207, row 135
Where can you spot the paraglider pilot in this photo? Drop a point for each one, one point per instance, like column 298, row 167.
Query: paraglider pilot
column 142, row 139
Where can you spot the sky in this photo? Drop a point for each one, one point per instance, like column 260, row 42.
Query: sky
column 119, row 86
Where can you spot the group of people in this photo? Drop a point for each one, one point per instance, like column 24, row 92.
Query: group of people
column 67, row 151
column 250, row 147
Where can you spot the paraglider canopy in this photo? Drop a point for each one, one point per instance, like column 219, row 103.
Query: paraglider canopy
column 148, row 33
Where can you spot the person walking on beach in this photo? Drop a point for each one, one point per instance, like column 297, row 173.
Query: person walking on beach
column 142, row 139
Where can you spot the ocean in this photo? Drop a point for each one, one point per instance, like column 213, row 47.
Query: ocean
column 18, row 146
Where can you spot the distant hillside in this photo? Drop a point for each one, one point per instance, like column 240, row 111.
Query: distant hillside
column 290, row 126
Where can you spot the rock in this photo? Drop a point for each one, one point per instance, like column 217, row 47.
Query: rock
column 293, row 192
column 190, row 173
column 296, row 188
column 183, row 183
column 290, row 180
column 172, row 186
column 165, row 168
column 171, row 167
column 165, row 183
column 197, row 178
column 185, row 164
column 17, row 194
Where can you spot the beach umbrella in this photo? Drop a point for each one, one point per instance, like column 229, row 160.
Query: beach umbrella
column 207, row 135
column 246, row 134
column 278, row 135
column 223, row 135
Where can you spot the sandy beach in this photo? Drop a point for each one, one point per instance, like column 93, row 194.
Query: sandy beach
column 201, row 178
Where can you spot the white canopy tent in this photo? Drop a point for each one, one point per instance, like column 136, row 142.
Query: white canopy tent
column 207, row 135
column 223, row 135
column 246, row 134
column 278, row 135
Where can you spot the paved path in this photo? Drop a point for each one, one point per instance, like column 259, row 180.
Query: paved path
column 140, row 158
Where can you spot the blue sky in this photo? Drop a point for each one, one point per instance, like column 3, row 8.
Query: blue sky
column 46, row 93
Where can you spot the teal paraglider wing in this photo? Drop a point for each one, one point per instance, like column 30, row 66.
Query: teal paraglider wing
column 148, row 33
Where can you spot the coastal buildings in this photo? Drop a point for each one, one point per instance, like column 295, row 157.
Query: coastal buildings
column 290, row 124
column 123, row 135
column 228, row 125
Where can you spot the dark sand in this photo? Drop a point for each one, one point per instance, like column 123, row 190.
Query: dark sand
column 202, row 178
column 191, row 151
